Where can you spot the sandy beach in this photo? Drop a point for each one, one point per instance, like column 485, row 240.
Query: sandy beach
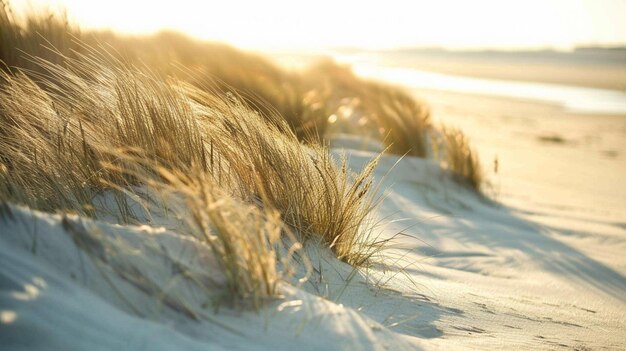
column 396, row 176
column 560, row 171
column 544, row 271
column 537, row 272
column 235, row 232
column 547, row 158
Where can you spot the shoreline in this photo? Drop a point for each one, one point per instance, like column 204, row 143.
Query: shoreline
column 572, row 98
column 583, row 88
column 419, row 93
column 587, row 76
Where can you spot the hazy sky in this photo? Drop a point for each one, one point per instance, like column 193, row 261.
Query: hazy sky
column 373, row 24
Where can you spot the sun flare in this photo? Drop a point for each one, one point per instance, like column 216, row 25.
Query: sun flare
column 306, row 25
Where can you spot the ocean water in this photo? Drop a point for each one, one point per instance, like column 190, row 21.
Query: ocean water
column 572, row 98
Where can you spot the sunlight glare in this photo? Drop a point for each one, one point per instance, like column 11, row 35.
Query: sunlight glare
column 7, row 317
column 284, row 24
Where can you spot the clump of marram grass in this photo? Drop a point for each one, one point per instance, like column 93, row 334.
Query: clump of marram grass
column 246, row 239
column 248, row 242
column 56, row 125
column 250, row 250
column 260, row 84
column 405, row 122
column 400, row 121
column 303, row 101
column 53, row 130
column 453, row 150
column 34, row 34
column 315, row 197
column 73, row 104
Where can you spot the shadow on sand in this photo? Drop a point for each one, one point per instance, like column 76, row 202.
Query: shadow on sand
column 498, row 233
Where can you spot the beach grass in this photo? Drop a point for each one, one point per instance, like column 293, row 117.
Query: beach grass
column 90, row 114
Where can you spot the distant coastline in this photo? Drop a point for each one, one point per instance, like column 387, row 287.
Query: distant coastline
column 594, row 67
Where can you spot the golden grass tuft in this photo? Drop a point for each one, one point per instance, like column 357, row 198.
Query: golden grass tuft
column 35, row 35
column 245, row 239
column 400, row 121
column 237, row 138
column 59, row 127
column 265, row 160
column 303, row 101
column 261, row 85
column 53, row 130
column 403, row 123
column 453, row 150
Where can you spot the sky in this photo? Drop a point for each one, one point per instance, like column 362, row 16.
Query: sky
column 274, row 24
